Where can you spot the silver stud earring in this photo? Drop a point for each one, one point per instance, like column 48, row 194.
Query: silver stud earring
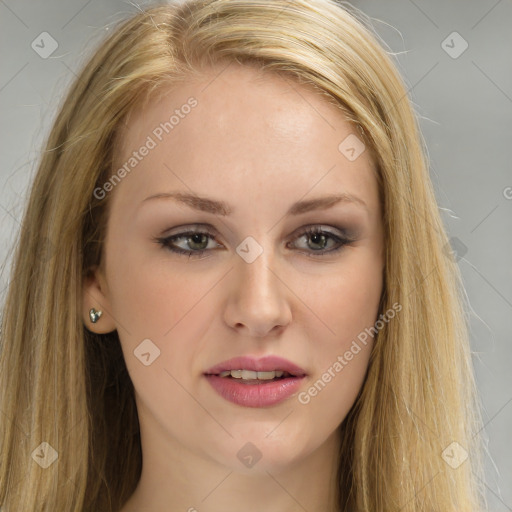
column 94, row 315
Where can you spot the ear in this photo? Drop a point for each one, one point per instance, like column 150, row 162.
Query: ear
column 95, row 295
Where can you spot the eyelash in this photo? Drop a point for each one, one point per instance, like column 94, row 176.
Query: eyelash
column 167, row 241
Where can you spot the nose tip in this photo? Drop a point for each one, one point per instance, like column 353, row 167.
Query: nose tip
column 258, row 301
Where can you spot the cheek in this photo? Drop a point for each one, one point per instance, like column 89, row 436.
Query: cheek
column 148, row 298
column 348, row 306
column 329, row 395
column 152, row 301
column 346, row 301
column 166, row 308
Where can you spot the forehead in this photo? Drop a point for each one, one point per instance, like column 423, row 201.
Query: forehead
column 225, row 96
column 242, row 130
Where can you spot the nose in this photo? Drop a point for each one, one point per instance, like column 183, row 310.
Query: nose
column 258, row 297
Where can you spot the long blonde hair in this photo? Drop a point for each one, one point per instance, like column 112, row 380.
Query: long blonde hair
column 62, row 385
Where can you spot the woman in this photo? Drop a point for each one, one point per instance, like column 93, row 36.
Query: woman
column 244, row 298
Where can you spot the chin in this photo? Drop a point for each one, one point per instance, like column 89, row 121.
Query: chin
column 253, row 452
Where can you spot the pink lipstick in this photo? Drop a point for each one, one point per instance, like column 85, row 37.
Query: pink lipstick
column 256, row 382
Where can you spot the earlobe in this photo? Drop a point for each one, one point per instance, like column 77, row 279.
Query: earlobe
column 95, row 304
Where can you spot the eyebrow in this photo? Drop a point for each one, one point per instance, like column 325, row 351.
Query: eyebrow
column 208, row 205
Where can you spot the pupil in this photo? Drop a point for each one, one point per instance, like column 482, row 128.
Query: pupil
column 195, row 237
column 316, row 236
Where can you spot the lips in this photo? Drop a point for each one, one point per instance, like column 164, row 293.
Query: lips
column 252, row 382
column 264, row 364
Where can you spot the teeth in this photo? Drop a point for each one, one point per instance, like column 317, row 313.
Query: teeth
column 248, row 374
column 251, row 375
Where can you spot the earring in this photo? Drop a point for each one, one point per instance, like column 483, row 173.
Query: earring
column 94, row 315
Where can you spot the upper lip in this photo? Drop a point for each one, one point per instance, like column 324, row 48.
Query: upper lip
column 262, row 364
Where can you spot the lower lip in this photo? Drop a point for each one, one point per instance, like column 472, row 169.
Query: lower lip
column 261, row 394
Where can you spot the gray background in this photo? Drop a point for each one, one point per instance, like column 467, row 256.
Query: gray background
column 465, row 107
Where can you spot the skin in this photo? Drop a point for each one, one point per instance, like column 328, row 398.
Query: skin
column 260, row 143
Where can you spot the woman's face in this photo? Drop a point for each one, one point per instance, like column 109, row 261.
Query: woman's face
column 259, row 154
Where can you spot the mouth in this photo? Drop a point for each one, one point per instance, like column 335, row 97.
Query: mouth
column 253, row 377
column 252, row 382
column 250, row 368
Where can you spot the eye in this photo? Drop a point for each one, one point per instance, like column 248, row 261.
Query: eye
column 321, row 237
column 198, row 242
